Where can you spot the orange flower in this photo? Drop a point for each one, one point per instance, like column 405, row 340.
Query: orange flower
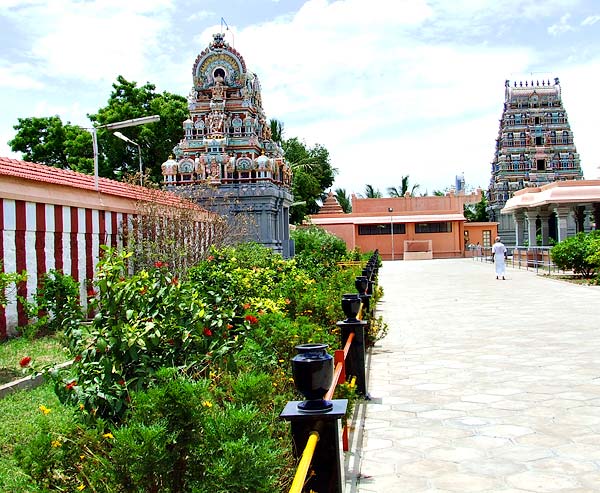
column 70, row 385
column 252, row 319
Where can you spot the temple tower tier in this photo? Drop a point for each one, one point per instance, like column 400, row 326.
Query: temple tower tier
column 227, row 148
column 534, row 147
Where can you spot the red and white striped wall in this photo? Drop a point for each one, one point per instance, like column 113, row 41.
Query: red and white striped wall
column 38, row 237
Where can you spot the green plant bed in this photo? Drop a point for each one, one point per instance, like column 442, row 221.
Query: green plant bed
column 43, row 351
column 21, row 415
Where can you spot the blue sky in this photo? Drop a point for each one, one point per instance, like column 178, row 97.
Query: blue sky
column 389, row 87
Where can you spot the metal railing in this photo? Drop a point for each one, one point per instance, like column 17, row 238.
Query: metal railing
column 309, row 429
column 535, row 258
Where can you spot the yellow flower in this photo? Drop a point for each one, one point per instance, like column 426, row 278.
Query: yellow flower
column 282, row 361
column 56, row 443
column 291, row 379
column 81, row 487
column 44, row 409
column 207, row 403
column 274, row 384
column 108, row 435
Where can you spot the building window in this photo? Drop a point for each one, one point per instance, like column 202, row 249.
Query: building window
column 541, row 165
column 487, row 238
column 445, row 227
column 380, row 229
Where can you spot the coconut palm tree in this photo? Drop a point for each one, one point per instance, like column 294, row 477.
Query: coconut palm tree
column 343, row 200
column 371, row 193
column 395, row 192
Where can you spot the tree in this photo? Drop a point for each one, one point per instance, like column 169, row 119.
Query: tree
column 343, row 200
column 46, row 140
column 477, row 212
column 276, row 130
column 395, row 192
column 371, row 193
column 313, row 174
column 126, row 102
column 438, row 193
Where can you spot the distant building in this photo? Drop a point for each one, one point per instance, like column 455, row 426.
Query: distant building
column 408, row 227
column 228, row 151
column 534, row 147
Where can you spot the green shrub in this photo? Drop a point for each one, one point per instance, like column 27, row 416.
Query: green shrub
column 577, row 253
column 318, row 251
column 55, row 307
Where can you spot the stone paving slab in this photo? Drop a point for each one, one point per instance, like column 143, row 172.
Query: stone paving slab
column 481, row 385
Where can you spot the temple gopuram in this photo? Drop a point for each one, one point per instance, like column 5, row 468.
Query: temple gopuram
column 534, row 147
column 227, row 148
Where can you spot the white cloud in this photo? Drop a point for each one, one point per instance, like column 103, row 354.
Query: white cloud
column 97, row 39
column 17, row 76
column 590, row 20
column 562, row 27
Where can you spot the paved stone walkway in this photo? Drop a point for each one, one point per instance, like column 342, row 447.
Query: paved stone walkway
column 481, row 385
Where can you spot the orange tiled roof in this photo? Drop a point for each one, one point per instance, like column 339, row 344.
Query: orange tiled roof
column 49, row 174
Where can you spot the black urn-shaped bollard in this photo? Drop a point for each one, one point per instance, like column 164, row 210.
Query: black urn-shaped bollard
column 361, row 283
column 312, row 369
column 351, row 306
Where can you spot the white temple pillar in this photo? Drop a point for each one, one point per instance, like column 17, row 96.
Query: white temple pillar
column 562, row 215
column 531, row 227
column 545, row 217
column 519, row 218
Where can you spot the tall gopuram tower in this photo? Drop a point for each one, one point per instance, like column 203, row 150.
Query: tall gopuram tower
column 227, row 150
column 534, row 147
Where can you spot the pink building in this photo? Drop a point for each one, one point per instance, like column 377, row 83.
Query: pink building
column 407, row 227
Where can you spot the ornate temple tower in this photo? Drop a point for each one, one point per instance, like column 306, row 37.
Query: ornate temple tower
column 227, row 148
column 534, row 147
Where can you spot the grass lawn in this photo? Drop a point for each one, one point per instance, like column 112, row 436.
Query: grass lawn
column 42, row 351
column 21, row 418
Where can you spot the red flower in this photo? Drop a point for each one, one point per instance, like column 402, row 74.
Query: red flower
column 72, row 384
column 158, row 264
column 25, row 361
column 78, row 357
column 252, row 319
column 121, row 382
column 175, row 281
column 210, row 258
column 207, row 331
column 229, row 326
column 91, row 292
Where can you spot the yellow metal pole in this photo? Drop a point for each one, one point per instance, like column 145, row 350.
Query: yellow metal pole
column 307, row 456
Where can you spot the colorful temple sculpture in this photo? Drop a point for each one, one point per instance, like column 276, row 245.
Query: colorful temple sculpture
column 534, row 147
column 227, row 150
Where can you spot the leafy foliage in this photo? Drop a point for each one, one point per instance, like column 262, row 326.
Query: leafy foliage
column 55, row 307
column 371, row 193
column 578, row 253
column 343, row 200
column 313, row 174
column 477, row 212
column 8, row 284
column 48, row 141
column 404, row 187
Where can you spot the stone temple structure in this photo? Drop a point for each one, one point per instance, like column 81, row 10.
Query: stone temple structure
column 227, row 149
column 534, row 147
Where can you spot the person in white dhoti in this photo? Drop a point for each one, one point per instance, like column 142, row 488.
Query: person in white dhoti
column 499, row 255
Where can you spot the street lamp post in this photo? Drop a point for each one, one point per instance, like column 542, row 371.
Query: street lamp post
column 113, row 126
column 390, row 210
column 129, row 141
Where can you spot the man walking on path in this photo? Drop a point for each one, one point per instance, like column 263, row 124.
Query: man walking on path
column 499, row 254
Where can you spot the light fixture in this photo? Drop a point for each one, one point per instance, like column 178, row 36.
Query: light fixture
column 112, row 126
column 129, row 141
